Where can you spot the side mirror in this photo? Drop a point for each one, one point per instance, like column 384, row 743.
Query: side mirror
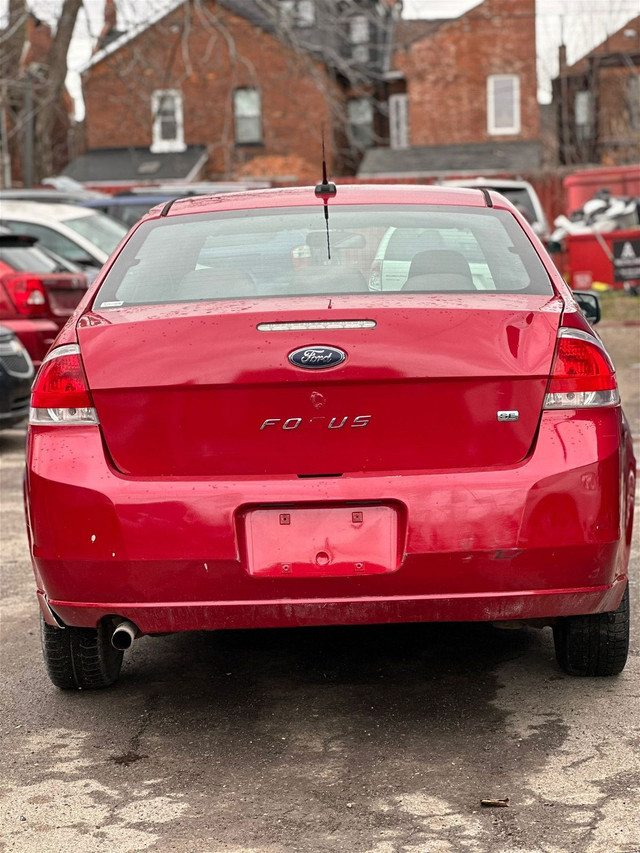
column 589, row 305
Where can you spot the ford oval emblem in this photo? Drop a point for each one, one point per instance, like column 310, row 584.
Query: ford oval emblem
column 317, row 358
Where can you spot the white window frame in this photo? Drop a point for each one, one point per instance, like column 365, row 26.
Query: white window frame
column 305, row 13
column 399, row 121
column 359, row 30
column 354, row 126
column 158, row 144
column 582, row 108
column 257, row 138
column 297, row 13
column 287, row 11
column 492, row 128
column 632, row 87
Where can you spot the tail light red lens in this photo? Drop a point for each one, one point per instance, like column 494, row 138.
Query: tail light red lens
column 582, row 375
column 60, row 393
column 27, row 294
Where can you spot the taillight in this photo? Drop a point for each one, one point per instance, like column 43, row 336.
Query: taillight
column 60, row 394
column 583, row 375
column 27, row 294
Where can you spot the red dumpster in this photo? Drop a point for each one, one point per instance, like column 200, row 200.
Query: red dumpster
column 611, row 259
column 583, row 185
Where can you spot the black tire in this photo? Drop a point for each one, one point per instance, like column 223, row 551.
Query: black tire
column 597, row 644
column 79, row 658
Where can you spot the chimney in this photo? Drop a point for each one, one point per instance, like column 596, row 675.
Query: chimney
column 110, row 21
column 562, row 59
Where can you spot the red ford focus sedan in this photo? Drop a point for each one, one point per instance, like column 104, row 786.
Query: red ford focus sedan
column 246, row 425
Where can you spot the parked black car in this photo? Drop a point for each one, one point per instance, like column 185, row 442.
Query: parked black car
column 16, row 376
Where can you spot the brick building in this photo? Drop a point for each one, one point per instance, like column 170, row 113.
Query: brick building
column 235, row 88
column 597, row 102
column 463, row 95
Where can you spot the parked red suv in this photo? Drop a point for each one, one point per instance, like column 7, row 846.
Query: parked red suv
column 38, row 292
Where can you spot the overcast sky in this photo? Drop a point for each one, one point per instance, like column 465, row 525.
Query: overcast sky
column 584, row 24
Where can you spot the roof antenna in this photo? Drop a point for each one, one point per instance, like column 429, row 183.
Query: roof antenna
column 325, row 191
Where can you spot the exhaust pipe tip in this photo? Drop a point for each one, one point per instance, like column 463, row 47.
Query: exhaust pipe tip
column 123, row 636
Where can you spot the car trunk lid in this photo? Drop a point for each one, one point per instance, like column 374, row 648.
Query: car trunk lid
column 207, row 389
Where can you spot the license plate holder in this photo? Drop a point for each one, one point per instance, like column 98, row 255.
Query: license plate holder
column 335, row 541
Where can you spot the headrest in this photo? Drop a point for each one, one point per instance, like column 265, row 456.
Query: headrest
column 439, row 261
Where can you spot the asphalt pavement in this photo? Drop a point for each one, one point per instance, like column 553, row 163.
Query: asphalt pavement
column 366, row 740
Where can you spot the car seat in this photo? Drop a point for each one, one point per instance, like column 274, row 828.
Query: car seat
column 437, row 270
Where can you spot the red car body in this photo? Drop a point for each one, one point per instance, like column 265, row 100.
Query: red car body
column 36, row 299
column 226, row 487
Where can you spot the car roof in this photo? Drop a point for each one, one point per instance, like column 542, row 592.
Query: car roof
column 129, row 200
column 36, row 211
column 498, row 183
column 346, row 194
column 53, row 196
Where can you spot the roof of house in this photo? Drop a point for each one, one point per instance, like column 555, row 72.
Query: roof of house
column 433, row 160
column 137, row 165
column 127, row 36
column 617, row 42
column 258, row 12
column 409, row 31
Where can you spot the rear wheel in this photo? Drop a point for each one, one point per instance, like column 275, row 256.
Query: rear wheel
column 79, row 658
column 597, row 644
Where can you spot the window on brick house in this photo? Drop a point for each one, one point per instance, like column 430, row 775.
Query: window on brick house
column 306, row 13
column 582, row 114
column 633, row 101
column 503, row 104
column 359, row 38
column 398, row 121
column 248, row 116
column 360, row 116
column 168, row 125
column 297, row 13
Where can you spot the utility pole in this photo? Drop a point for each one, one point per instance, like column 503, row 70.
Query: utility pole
column 565, row 145
column 5, row 159
column 27, row 153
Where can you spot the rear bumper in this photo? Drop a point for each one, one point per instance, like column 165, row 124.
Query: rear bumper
column 163, row 617
column 546, row 538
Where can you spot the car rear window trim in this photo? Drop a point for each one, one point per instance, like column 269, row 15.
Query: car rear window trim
column 256, row 267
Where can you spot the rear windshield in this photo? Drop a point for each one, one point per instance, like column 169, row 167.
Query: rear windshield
column 288, row 252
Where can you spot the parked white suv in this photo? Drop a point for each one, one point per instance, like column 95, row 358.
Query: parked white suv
column 520, row 193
